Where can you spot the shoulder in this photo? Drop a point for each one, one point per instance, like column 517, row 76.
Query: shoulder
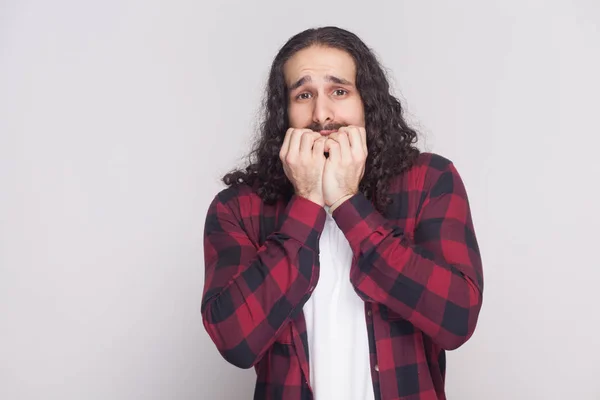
column 440, row 175
column 426, row 169
column 232, row 207
column 433, row 162
column 236, row 197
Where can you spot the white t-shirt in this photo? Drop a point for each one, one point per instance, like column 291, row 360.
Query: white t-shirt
column 336, row 325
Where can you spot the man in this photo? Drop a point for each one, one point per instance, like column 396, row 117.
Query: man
column 341, row 263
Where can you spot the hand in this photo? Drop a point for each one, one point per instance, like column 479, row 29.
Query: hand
column 345, row 166
column 303, row 156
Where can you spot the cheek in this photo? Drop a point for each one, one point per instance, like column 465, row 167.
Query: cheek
column 297, row 117
column 360, row 116
column 353, row 114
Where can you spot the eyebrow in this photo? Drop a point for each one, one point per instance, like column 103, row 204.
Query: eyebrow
column 328, row 78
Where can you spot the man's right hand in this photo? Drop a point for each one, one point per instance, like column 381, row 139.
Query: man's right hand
column 303, row 158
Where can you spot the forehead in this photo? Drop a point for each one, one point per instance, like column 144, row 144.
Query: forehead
column 319, row 61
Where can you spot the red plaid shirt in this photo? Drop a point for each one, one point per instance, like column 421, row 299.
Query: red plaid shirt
column 417, row 268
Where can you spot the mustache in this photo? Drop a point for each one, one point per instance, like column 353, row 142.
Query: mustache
column 316, row 127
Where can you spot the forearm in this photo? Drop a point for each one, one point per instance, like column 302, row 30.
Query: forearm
column 261, row 311
column 244, row 314
column 438, row 298
column 433, row 285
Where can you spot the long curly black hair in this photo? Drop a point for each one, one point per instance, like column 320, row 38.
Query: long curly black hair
column 390, row 140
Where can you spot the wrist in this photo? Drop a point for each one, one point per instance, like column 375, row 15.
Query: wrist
column 315, row 199
column 340, row 201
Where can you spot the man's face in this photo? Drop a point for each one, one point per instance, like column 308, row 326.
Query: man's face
column 322, row 90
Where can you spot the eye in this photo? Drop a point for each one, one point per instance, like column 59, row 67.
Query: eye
column 340, row 92
column 303, row 96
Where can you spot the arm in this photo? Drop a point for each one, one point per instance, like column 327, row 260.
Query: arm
column 250, row 293
column 434, row 281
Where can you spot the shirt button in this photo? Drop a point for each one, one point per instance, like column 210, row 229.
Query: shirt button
column 369, row 313
column 376, row 367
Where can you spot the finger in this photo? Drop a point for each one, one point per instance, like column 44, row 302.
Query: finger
column 334, row 135
column 343, row 140
column 318, row 150
column 333, row 147
column 285, row 147
column 307, row 142
column 363, row 136
column 356, row 142
column 353, row 136
column 295, row 141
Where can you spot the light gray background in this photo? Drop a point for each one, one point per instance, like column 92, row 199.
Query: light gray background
column 118, row 117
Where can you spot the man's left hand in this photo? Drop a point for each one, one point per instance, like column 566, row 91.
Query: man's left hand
column 345, row 165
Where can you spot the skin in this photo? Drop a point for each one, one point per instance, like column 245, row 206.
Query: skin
column 326, row 115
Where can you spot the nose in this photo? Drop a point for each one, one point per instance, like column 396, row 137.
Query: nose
column 323, row 111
